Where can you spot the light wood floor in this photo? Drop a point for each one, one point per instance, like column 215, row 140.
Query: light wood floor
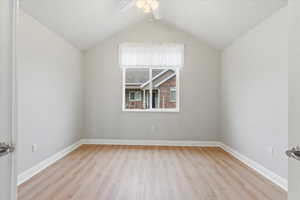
column 97, row 172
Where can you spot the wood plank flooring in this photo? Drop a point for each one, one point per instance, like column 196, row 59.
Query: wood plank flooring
column 108, row 172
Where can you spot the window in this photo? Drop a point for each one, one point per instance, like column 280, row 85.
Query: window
column 151, row 77
column 172, row 94
column 135, row 96
column 150, row 89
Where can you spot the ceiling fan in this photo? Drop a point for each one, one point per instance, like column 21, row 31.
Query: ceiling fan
column 148, row 6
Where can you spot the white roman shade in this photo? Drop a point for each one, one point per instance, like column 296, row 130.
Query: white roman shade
column 151, row 55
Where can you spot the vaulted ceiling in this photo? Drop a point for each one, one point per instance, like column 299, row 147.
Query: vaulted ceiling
column 84, row 23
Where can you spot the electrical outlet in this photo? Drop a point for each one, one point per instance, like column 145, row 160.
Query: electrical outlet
column 34, row 148
column 271, row 151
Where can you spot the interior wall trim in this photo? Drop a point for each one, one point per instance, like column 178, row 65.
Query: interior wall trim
column 273, row 177
column 26, row 175
column 154, row 142
column 276, row 179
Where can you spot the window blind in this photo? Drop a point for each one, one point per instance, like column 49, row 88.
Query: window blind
column 154, row 55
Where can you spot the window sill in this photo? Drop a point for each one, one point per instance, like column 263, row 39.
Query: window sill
column 153, row 110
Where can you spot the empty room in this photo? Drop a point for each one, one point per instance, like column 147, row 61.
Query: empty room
column 149, row 100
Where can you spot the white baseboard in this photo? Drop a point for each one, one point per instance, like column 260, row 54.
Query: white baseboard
column 51, row 160
column 154, row 142
column 46, row 163
column 276, row 179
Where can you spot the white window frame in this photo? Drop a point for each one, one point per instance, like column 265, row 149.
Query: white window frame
column 135, row 99
column 177, row 109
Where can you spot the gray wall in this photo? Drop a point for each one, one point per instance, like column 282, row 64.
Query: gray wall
column 49, row 93
column 255, row 94
column 199, row 116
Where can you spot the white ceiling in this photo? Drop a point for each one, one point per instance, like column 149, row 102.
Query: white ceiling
column 85, row 23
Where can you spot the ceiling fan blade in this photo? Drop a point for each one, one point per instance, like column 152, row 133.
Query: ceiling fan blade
column 157, row 14
column 126, row 4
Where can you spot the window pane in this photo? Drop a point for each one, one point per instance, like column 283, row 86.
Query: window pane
column 164, row 89
column 173, row 94
column 137, row 89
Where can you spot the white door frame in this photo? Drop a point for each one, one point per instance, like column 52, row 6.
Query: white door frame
column 294, row 97
column 13, row 97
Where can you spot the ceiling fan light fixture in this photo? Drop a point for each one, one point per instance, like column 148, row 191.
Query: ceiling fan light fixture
column 149, row 1
column 147, row 8
column 140, row 3
column 147, row 5
column 154, row 5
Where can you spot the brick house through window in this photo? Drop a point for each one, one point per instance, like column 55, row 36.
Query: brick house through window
column 137, row 95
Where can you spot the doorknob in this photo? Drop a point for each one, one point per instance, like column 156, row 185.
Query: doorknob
column 6, row 149
column 294, row 153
